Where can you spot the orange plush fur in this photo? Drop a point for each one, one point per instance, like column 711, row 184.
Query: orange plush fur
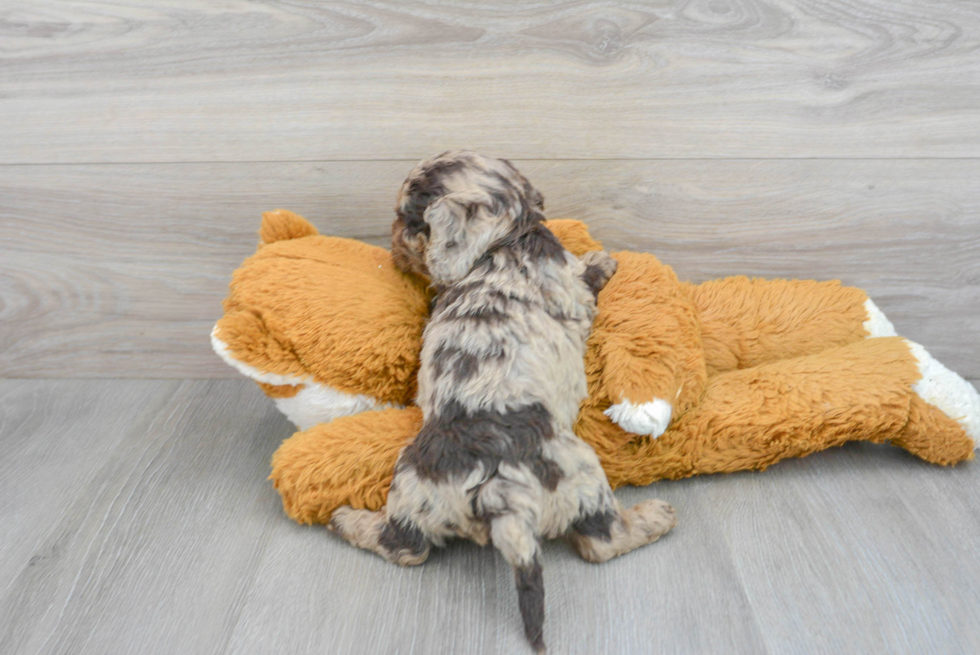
column 755, row 370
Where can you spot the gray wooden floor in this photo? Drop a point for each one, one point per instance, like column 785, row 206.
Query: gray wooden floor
column 142, row 139
column 136, row 518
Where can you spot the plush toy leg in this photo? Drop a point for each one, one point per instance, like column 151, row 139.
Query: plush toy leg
column 747, row 322
column 939, row 387
column 755, row 417
column 349, row 461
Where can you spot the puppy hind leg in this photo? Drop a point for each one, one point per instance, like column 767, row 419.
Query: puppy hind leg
column 516, row 540
column 613, row 531
column 398, row 540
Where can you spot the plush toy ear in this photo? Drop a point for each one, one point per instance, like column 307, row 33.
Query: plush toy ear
column 280, row 225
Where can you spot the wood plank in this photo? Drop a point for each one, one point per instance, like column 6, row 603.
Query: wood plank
column 156, row 551
column 862, row 549
column 119, row 271
column 167, row 538
column 189, row 81
column 462, row 599
column 56, row 435
column 177, row 544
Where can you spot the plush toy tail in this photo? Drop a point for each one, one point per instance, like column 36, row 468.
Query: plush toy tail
column 282, row 224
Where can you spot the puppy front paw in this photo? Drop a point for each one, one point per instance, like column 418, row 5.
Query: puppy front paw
column 649, row 419
column 599, row 267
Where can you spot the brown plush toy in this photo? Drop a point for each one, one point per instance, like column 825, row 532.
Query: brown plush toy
column 684, row 379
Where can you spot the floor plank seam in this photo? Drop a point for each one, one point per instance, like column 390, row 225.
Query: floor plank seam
column 413, row 160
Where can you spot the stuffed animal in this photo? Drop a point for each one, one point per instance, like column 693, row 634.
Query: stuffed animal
column 684, row 379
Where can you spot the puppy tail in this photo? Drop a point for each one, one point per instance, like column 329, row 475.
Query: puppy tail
column 516, row 540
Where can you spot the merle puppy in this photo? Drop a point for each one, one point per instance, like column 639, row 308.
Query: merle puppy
column 500, row 383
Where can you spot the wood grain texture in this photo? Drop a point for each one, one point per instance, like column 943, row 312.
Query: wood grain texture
column 463, row 599
column 119, row 271
column 863, row 540
column 153, row 549
column 167, row 538
column 239, row 81
column 56, row 437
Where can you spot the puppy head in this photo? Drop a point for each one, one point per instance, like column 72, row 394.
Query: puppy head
column 453, row 206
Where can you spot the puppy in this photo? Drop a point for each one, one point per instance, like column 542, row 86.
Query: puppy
column 499, row 385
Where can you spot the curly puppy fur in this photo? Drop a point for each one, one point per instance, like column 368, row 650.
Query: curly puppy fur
column 500, row 384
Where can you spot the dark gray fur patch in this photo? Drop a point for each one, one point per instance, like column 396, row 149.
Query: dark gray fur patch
column 449, row 295
column 455, row 442
column 494, row 306
column 530, row 597
column 484, row 314
column 462, row 364
column 525, row 244
column 540, row 243
column 399, row 536
column 423, row 190
column 499, row 201
column 598, row 525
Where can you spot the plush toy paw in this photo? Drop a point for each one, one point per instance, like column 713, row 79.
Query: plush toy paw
column 650, row 418
column 943, row 388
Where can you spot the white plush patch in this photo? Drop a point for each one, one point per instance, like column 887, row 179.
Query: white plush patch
column 314, row 403
column 650, row 418
column 949, row 392
column 318, row 403
column 877, row 324
column 224, row 352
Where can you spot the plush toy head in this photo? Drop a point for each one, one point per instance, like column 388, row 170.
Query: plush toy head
column 329, row 326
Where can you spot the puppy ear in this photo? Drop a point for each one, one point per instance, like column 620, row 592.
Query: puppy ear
column 455, row 241
column 408, row 247
column 446, row 218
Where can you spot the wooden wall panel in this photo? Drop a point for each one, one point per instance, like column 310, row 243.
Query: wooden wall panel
column 119, row 270
column 156, row 81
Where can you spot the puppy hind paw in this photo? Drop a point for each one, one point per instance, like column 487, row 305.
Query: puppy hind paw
column 338, row 519
column 654, row 518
